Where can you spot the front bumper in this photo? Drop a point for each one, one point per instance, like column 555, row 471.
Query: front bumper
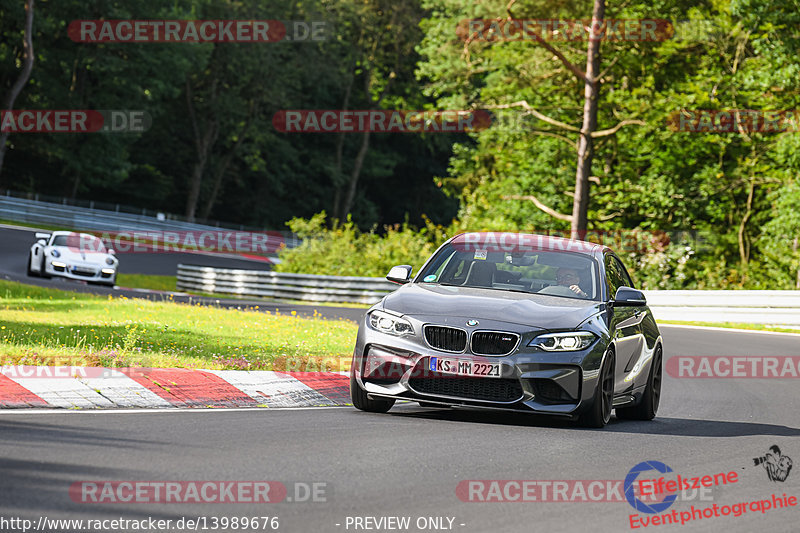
column 531, row 380
column 80, row 270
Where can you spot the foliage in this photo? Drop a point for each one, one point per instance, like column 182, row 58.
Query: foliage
column 344, row 250
column 251, row 174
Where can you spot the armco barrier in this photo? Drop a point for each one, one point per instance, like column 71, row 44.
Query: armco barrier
column 268, row 284
column 91, row 218
column 754, row 307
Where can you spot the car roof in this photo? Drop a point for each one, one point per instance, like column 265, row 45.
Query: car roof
column 522, row 242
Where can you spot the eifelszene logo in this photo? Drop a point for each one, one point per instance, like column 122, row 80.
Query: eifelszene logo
column 630, row 486
column 658, row 494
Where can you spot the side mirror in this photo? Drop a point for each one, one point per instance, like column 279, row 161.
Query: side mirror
column 627, row 296
column 400, row 274
column 42, row 242
column 111, row 251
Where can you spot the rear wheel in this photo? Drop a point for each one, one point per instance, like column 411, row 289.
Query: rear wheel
column 362, row 402
column 648, row 406
column 599, row 413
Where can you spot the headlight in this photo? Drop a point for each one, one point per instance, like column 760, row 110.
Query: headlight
column 55, row 253
column 393, row 325
column 109, row 261
column 570, row 341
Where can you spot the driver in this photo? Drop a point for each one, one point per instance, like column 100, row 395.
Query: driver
column 568, row 277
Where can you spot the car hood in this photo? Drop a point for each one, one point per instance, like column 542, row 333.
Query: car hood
column 71, row 254
column 535, row 310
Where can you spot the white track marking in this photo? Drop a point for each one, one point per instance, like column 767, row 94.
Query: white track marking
column 123, row 391
column 732, row 330
column 66, row 392
column 272, row 388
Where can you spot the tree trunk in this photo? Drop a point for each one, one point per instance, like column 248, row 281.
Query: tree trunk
column 27, row 67
column 199, row 170
column 362, row 152
column 359, row 162
column 203, row 144
column 75, row 186
column 580, row 205
column 337, row 197
column 744, row 248
column 226, row 162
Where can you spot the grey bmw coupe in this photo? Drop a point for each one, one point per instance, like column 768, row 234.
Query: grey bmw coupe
column 514, row 322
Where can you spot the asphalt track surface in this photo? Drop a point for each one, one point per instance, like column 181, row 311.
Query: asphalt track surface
column 408, row 463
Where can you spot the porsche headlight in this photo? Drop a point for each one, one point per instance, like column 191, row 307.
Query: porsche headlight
column 570, row 341
column 109, row 261
column 55, row 253
column 393, row 325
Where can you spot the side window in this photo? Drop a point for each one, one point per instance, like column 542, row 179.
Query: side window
column 614, row 278
column 626, row 278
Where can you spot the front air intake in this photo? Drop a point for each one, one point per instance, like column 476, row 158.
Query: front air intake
column 446, row 339
column 493, row 342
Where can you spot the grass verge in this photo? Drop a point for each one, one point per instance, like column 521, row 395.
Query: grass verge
column 147, row 281
column 734, row 325
column 40, row 326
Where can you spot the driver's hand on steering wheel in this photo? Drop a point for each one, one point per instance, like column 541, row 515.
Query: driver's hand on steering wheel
column 577, row 290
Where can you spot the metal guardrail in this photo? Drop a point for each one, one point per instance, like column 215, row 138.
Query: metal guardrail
column 91, row 218
column 754, row 307
column 306, row 287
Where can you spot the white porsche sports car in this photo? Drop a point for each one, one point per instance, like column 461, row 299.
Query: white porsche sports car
column 72, row 255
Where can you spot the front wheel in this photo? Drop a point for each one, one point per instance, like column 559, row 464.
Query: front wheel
column 43, row 271
column 599, row 413
column 362, row 402
column 31, row 273
column 648, row 406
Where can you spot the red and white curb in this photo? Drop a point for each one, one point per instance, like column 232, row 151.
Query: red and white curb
column 92, row 388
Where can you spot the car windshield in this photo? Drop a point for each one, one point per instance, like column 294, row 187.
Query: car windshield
column 554, row 273
column 80, row 242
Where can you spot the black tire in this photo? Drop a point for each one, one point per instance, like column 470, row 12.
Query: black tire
column 42, row 271
column 360, row 400
column 647, row 407
column 599, row 413
column 110, row 283
column 31, row 273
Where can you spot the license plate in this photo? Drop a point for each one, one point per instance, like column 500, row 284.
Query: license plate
column 464, row 367
column 81, row 270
